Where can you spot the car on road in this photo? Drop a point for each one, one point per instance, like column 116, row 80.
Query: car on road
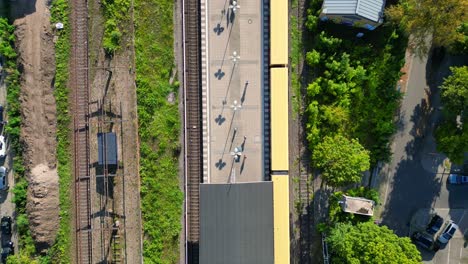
column 424, row 240
column 3, row 178
column 2, row 147
column 435, row 224
column 5, row 224
column 457, row 179
column 448, row 233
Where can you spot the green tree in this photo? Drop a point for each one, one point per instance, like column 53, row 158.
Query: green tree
column 342, row 161
column 461, row 46
column 452, row 134
column 423, row 18
column 455, row 91
column 452, row 139
column 369, row 243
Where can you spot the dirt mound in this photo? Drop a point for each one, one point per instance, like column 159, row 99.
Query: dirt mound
column 37, row 63
column 43, row 202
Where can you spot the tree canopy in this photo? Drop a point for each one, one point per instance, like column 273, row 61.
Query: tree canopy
column 455, row 90
column 452, row 133
column 341, row 160
column 423, row 18
column 369, row 243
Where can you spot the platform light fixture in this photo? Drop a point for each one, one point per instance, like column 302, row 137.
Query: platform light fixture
column 234, row 6
column 235, row 57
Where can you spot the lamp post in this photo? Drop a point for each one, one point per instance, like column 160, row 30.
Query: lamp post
column 235, row 57
column 234, row 6
column 235, row 106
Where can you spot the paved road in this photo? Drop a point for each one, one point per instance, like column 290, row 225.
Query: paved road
column 416, row 176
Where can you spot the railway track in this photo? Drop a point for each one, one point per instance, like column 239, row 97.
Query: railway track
column 79, row 81
column 193, row 124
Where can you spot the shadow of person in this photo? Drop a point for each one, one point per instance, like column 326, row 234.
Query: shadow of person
column 219, row 74
column 243, row 144
column 243, row 164
column 243, row 93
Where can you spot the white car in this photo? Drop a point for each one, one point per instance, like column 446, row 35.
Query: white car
column 2, row 147
column 3, row 178
column 449, row 230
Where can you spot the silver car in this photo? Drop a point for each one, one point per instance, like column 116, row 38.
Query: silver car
column 448, row 233
column 3, row 178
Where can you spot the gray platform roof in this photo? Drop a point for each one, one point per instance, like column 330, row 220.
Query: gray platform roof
column 236, row 223
column 370, row 9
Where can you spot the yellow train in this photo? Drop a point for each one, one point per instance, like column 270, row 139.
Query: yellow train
column 279, row 125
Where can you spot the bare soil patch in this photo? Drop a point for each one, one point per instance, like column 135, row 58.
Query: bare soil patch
column 38, row 132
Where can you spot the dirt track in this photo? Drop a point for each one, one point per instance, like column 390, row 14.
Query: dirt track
column 38, row 131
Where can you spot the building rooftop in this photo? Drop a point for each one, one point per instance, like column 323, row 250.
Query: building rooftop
column 357, row 205
column 236, row 223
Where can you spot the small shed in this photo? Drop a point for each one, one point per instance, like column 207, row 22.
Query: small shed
column 107, row 149
column 359, row 13
column 357, row 205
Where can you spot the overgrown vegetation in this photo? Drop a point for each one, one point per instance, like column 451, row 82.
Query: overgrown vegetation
column 61, row 250
column 452, row 133
column 354, row 93
column 342, row 161
column 295, row 55
column 116, row 13
column 370, row 243
column 423, row 19
column 12, row 129
column 159, row 124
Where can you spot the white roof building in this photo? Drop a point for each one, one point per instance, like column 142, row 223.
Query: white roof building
column 368, row 12
column 357, row 205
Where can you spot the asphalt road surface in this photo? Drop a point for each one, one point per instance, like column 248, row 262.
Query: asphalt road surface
column 416, row 177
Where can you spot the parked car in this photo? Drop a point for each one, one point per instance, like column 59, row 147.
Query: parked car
column 1, row 114
column 7, row 250
column 449, row 230
column 3, row 178
column 6, row 225
column 435, row 224
column 2, row 147
column 458, row 179
column 423, row 240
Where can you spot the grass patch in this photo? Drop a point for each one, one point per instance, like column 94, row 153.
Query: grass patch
column 159, row 124
column 60, row 251
column 295, row 56
column 116, row 13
